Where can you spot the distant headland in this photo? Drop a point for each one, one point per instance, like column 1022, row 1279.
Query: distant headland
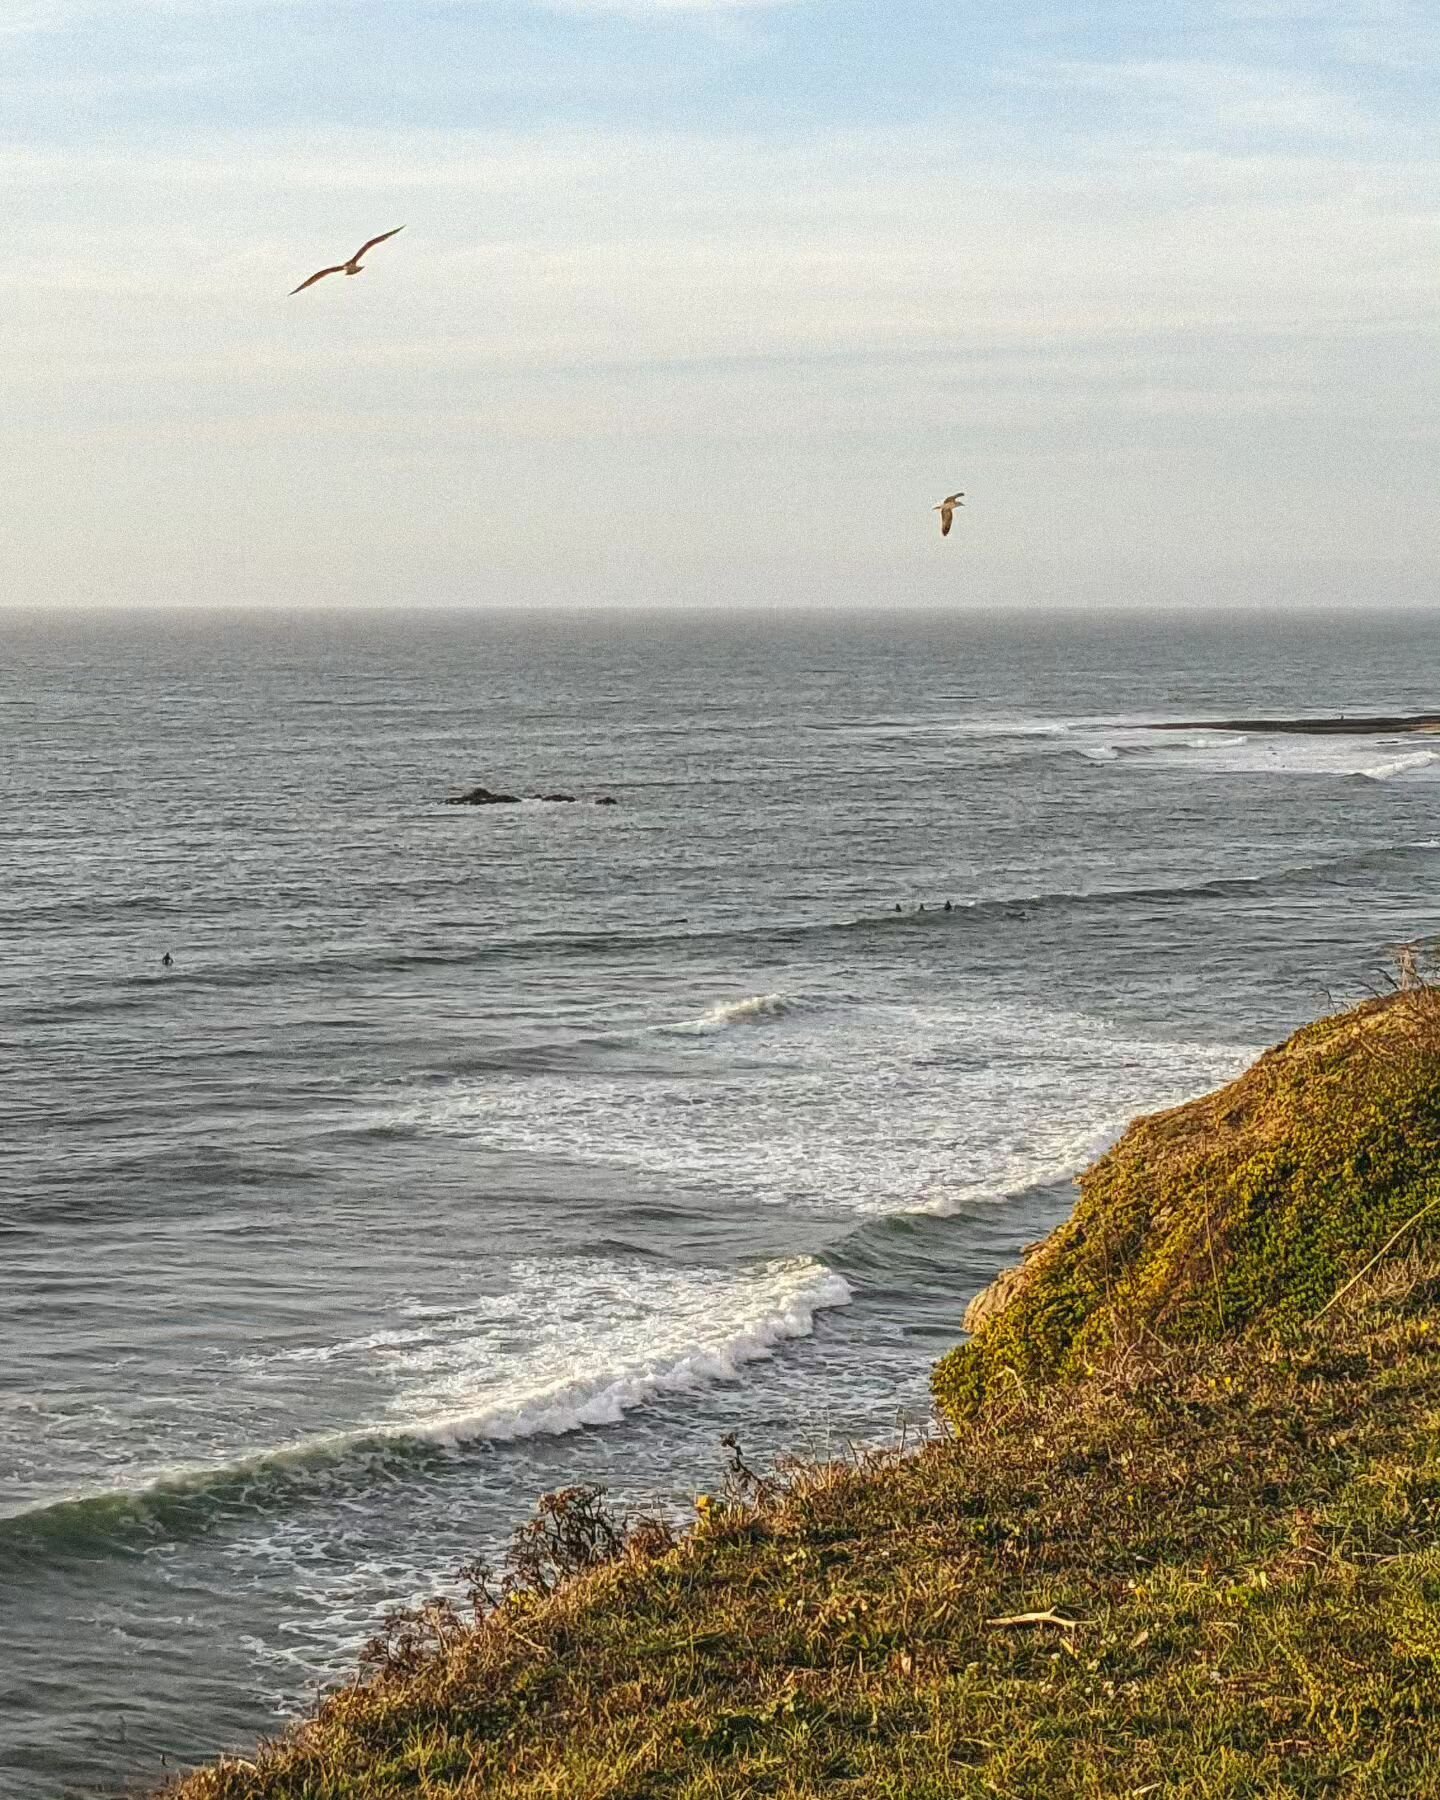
column 1341, row 725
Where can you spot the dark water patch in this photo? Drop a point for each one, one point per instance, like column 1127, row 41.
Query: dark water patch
column 886, row 1249
column 924, row 1269
column 187, row 1504
column 399, row 1131
column 164, row 1183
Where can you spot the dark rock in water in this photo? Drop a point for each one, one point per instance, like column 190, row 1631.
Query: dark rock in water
column 481, row 796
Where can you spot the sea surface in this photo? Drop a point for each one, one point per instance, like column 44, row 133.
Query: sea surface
column 465, row 1153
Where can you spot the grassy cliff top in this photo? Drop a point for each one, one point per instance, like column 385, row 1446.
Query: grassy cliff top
column 1199, row 1560
column 1250, row 1206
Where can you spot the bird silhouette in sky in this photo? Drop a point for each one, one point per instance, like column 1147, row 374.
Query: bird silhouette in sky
column 946, row 510
column 346, row 268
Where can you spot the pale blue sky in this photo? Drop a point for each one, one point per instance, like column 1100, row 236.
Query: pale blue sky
column 708, row 303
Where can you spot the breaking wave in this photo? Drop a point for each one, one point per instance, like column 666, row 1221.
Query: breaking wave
column 777, row 1303
column 1062, row 1164
column 1400, row 765
column 735, row 1012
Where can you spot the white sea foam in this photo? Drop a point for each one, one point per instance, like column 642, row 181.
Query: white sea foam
column 1100, row 753
column 1280, row 754
column 734, row 1012
column 706, row 1329
column 1400, row 765
column 1010, row 728
column 861, row 1110
column 611, row 1336
column 1067, row 1158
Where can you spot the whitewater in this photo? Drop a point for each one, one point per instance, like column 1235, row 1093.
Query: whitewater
column 459, row 1154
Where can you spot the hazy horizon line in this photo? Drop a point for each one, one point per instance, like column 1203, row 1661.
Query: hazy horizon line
column 261, row 610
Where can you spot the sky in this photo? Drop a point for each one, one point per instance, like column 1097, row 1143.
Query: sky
column 707, row 302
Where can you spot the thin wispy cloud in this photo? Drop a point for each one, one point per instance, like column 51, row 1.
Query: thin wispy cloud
column 1089, row 272
column 640, row 9
column 54, row 15
column 1179, row 97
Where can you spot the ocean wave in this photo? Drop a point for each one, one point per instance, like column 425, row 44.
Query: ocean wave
column 1272, row 756
column 1288, row 875
column 1399, row 765
column 775, row 1303
column 1100, row 753
column 1061, row 1163
column 890, row 1107
column 1006, row 728
column 138, row 990
column 734, row 1012
column 1225, row 886
column 941, row 725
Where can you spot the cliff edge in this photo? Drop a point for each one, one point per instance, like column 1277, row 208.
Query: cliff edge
column 1252, row 1205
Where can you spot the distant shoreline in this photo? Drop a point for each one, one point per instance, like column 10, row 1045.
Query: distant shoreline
column 1342, row 725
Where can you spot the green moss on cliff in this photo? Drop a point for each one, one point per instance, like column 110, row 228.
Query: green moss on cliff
column 1255, row 1204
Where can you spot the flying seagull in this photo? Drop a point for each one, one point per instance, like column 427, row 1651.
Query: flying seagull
column 946, row 510
column 346, row 268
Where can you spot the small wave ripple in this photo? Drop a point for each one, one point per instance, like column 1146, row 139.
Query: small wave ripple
column 137, row 992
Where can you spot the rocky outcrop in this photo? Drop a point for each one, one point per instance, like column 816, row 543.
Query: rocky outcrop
column 1002, row 1290
column 483, row 796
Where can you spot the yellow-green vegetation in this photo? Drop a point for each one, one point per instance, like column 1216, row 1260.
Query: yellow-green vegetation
column 1202, row 1559
column 1256, row 1203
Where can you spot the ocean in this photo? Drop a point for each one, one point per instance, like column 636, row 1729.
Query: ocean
column 463, row 1153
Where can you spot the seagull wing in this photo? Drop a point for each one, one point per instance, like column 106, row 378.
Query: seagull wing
column 376, row 240
column 319, row 275
column 947, row 514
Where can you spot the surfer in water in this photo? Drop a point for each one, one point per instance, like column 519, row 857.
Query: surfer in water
column 166, row 960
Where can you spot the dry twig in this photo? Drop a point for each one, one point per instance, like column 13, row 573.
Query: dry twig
column 1389, row 1243
column 1048, row 1617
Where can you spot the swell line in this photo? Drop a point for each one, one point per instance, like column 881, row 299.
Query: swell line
column 139, row 990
